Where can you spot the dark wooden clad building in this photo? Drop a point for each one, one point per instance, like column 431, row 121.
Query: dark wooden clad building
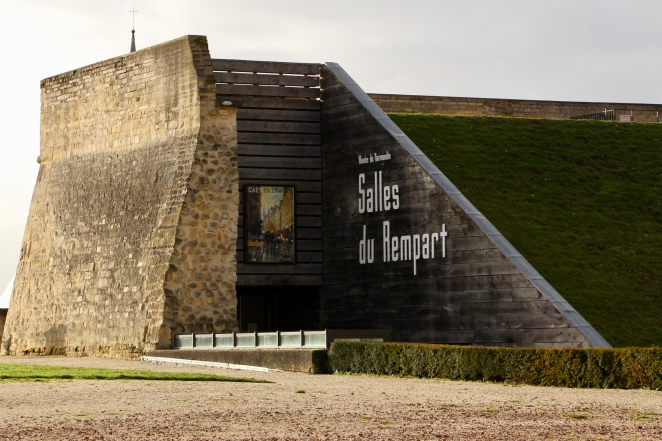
column 383, row 240
column 279, row 143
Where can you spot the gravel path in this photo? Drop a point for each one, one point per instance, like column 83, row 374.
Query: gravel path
column 333, row 407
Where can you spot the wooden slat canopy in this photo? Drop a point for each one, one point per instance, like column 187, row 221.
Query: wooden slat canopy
column 270, row 80
column 279, row 143
column 279, row 115
column 288, row 92
column 271, row 102
column 266, row 67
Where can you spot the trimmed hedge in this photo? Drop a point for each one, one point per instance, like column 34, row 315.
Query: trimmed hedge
column 626, row 368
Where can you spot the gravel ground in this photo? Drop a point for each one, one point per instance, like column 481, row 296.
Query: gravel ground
column 333, row 407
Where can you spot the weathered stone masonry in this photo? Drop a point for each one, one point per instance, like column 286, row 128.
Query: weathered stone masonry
column 135, row 207
column 449, row 105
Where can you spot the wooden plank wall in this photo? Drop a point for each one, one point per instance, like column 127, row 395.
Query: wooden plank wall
column 279, row 142
column 475, row 295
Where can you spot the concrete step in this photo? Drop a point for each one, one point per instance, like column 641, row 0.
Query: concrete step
column 312, row 361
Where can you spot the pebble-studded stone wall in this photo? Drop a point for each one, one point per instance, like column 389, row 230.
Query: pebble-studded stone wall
column 446, row 105
column 200, row 284
column 133, row 151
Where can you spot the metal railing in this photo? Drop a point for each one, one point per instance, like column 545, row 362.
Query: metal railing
column 607, row 115
column 252, row 340
column 623, row 115
column 277, row 339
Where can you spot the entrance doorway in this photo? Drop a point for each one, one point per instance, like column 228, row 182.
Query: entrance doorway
column 287, row 308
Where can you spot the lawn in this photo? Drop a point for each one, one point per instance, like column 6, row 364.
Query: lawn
column 26, row 372
column 581, row 200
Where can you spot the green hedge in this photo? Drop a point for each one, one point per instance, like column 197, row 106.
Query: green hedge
column 626, row 368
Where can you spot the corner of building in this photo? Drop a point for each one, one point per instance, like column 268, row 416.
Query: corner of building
column 202, row 273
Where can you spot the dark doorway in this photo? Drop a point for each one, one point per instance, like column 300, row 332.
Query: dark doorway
column 287, row 308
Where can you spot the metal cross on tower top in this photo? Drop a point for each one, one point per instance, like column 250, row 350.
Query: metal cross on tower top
column 134, row 12
column 133, row 29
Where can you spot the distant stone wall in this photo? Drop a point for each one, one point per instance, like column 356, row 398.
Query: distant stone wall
column 133, row 152
column 445, row 105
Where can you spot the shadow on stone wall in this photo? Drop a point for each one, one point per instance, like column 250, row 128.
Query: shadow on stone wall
column 56, row 337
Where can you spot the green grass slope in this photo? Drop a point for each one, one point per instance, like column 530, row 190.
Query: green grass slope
column 581, row 200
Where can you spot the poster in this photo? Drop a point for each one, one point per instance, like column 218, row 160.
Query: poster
column 269, row 224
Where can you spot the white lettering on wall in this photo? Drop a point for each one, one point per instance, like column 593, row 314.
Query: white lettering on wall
column 366, row 249
column 375, row 197
column 378, row 197
column 361, row 193
column 407, row 247
column 374, row 157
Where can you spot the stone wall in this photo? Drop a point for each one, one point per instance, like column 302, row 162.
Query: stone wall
column 200, row 283
column 135, row 155
column 445, row 105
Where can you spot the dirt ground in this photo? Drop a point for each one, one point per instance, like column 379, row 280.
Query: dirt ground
column 333, row 407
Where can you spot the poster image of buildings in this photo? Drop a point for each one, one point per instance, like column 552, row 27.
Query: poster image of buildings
column 269, row 224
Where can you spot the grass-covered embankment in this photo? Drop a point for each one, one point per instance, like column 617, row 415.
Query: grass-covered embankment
column 628, row 368
column 581, row 200
column 27, row 372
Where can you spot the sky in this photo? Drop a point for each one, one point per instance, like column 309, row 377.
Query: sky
column 569, row 50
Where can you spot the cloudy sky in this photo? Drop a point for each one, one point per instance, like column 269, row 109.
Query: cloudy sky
column 576, row 50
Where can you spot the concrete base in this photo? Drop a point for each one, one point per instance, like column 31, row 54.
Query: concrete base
column 298, row 360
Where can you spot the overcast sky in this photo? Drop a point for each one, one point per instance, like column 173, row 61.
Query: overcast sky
column 575, row 50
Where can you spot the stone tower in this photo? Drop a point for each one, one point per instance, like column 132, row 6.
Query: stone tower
column 133, row 221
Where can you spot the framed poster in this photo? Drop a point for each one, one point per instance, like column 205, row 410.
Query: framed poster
column 269, row 224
